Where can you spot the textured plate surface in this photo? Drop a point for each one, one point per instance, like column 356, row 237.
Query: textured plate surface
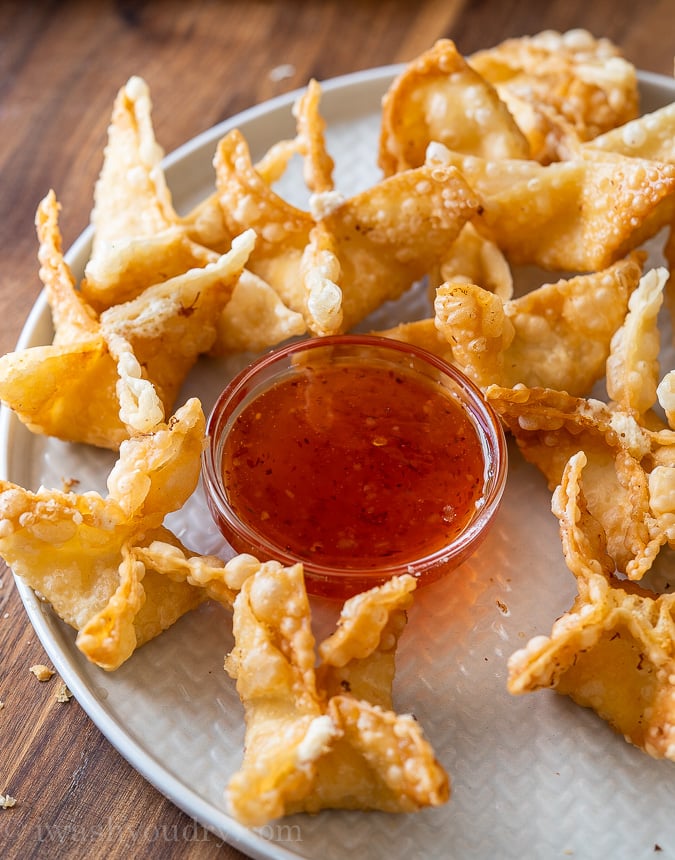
column 534, row 776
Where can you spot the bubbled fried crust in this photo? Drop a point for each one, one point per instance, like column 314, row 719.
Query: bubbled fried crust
column 564, row 225
column 104, row 378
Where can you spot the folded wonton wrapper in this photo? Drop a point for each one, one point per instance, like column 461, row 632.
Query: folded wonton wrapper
column 474, row 259
column 102, row 379
column 79, row 551
column 107, row 565
column 338, row 263
column 561, row 87
column 555, row 216
column 556, row 336
column 630, row 453
column 439, row 97
column 649, row 136
column 297, row 281
column 139, row 239
column 326, row 737
column 207, row 223
column 614, row 651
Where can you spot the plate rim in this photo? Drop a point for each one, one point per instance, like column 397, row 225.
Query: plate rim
column 185, row 798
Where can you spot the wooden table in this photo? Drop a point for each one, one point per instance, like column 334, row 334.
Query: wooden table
column 60, row 67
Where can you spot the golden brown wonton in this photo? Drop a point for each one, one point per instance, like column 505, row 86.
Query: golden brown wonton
column 556, row 216
column 473, row 258
column 341, row 261
column 629, row 451
column 104, row 378
column 614, row 651
column 561, row 85
column 556, row 336
column 138, row 240
column 79, row 551
column 326, row 737
column 439, row 97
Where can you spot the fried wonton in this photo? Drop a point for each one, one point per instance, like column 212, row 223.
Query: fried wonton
column 438, row 96
column 104, row 378
column 79, row 551
column 311, row 142
column 629, row 451
column 633, row 365
column 254, row 319
column 137, row 240
column 650, row 137
column 283, row 230
column 208, row 224
column 341, row 261
column 220, row 581
column 171, row 324
column 388, row 237
column 614, row 651
column 557, row 336
column 555, row 216
column 244, row 194
column 555, row 83
column 326, row 737
column 551, row 426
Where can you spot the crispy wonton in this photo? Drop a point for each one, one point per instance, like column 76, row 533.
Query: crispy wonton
column 438, row 96
column 557, row 84
column 629, row 451
column 341, row 261
column 104, row 378
column 555, row 216
column 79, row 551
column 138, row 240
column 556, row 336
column 326, row 737
column 614, row 651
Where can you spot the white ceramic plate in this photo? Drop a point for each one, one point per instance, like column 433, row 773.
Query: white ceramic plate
column 533, row 776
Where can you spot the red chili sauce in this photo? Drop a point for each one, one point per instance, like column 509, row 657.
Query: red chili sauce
column 354, row 466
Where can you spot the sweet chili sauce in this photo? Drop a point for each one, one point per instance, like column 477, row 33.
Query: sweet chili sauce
column 354, row 465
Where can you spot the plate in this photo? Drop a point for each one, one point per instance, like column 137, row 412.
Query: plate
column 532, row 776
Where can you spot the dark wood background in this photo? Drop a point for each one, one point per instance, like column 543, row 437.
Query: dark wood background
column 61, row 64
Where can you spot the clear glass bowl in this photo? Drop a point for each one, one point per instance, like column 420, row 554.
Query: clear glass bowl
column 347, row 576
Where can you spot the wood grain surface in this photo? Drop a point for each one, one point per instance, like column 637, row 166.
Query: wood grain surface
column 61, row 64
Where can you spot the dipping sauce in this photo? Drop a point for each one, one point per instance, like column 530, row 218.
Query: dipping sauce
column 354, row 465
column 360, row 456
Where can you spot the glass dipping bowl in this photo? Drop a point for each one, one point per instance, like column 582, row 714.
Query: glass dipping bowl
column 322, row 374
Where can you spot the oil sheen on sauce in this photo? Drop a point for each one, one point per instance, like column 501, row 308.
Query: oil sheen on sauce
column 354, row 465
